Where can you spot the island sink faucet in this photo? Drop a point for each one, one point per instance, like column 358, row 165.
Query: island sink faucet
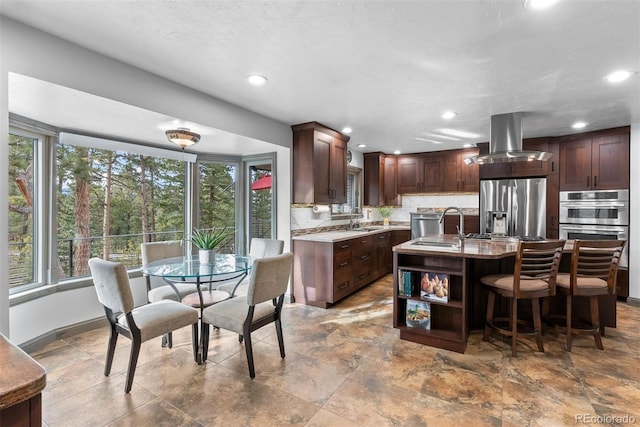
column 459, row 227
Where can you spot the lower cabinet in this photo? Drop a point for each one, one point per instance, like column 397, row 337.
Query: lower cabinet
column 431, row 300
column 326, row 272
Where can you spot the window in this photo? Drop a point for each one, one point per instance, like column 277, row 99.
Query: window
column 261, row 215
column 217, row 199
column 23, row 202
column 109, row 202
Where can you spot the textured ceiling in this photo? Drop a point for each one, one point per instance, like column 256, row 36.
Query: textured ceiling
column 388, row 69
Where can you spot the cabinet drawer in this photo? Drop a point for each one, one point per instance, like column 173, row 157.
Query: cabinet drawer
column 342, row 288
column 342, row 260
column 361, row 278
column 361, row 246
column 343, row 246
column 381, row 238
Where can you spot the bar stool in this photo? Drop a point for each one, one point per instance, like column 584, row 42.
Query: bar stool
column 594, row 266
column 534, row 277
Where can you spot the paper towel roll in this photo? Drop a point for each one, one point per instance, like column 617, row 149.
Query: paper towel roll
column 320, row 208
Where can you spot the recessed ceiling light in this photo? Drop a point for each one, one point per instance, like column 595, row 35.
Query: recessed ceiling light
column 539, row 4
column 618, row 76
column 468, row 145
column 578, row 125
column 397, row 152
column 460, row 133
column 362, row 145
column 346, row 129
column 449, row 114
column 257, row 79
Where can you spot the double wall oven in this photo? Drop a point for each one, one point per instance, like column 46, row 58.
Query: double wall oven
column 595, row 215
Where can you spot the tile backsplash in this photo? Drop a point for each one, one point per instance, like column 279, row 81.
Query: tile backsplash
column 303, row 218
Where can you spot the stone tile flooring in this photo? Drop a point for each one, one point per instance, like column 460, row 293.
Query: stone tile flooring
column 346, row 366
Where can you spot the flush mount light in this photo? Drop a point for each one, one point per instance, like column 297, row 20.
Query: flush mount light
column 449, row 115
column 397, row 152
column 468, row 145
column 362, row 145
column 618, row 76
column 182, row 137
column 539, row 4
column 257, row 79
column 346, row 130
column 578, row 125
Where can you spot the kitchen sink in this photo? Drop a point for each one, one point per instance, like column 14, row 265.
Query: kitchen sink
column 366, row 229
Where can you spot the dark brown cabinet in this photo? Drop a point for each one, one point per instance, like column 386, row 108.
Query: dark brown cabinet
column 319, row 164
column 380, row 180
column 452, row 222
column 437, row 172
column 326, row 272
column 595, row 163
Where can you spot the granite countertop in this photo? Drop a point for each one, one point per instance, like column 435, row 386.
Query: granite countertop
column 340, row 235
column 444, row 245
column 21, row 377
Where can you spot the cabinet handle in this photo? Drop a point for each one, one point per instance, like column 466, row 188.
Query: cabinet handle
column 344, row 246
column 462, row 186
column 344, row 264
column 362, row 276
column 553, row 168
column 553, row 220
column 364, row 257
column 344, row 286
column 595, row 180
column 382, row 237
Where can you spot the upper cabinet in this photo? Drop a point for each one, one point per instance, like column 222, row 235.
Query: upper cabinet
column 599, row 162
column 380, row 179
column 319, row 164
column 437, row 172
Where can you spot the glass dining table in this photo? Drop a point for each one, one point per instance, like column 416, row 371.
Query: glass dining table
column 226, row 267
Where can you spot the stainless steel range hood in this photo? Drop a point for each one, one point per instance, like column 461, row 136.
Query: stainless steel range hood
column 505, row 144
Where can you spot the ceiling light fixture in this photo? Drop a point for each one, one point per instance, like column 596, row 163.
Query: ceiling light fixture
column 449, row 115
column 257, row 79
column 397, row 152
column 347, row 130
column 579, row 125
column 182, row 137
column 618, row 76
column 539, row 4
column 362, row 145
column 468, row 145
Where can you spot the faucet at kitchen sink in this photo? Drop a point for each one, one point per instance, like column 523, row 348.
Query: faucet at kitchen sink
column 459, row 227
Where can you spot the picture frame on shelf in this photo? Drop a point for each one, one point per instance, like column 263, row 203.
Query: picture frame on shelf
column 435, row 286
column 418, row 314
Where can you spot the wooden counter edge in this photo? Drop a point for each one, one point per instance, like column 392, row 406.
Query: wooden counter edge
column 21, row 377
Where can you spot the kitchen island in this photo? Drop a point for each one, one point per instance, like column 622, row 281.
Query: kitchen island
column 436, row 279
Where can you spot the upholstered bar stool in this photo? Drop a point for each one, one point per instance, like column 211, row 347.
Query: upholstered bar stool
column 534, row 277
column 594, row 266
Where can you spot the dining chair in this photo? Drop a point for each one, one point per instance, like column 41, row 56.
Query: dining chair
column 155, row 251
column 262, row 305
column 594, row 267
column 139, row 324
column 534, row 277
column 259, row 248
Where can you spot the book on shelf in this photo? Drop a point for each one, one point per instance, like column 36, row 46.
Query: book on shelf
column 435, row 286
column 418, row 314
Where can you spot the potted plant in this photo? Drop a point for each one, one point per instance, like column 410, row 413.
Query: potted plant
column 207, row 241
column 385, row 212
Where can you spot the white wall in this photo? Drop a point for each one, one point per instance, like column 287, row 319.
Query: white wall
column 30, row 52
column 634, row 218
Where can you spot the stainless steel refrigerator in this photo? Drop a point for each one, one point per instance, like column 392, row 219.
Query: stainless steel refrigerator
column 513, row 207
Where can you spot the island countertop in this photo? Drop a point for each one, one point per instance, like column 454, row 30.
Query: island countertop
column 443, row 245
column 21, row 377
column 341, row 235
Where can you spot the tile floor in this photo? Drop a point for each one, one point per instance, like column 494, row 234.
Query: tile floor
column 346, row 366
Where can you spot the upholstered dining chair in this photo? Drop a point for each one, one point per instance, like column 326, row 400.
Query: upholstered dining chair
column 155, row 251
column 534, row 277
column 258, row 248
column 139, row 324
column 262, row 305
column 594, row 267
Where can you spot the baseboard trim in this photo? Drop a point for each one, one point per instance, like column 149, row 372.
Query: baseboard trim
column 633, row 301
column 61, row 333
